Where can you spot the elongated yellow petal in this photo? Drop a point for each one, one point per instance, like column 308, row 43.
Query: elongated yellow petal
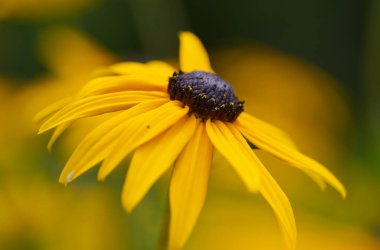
column 110, row 84
column 158, row 69
column 100, row 141
column 192, row 54
column 188, row 187
column 252, row 123
column 141, row 129
column 289, row 155
column 57, row 132
column 233, row 150
column 274, row 195
column 128, row 68
column 135, row 68
column 161, row 68
column 316, row 178
column 153, row 158
column 51, row 109
column 97, row 105
column 280, row 204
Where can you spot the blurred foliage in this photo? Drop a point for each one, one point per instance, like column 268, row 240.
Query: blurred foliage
column 310, row 68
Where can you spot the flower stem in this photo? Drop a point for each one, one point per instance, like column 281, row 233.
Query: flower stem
column 163, row 240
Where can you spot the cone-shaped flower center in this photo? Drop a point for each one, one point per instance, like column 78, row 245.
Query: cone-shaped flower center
column 207, row 95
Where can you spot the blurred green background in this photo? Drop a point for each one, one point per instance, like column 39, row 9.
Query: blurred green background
column 309, row 67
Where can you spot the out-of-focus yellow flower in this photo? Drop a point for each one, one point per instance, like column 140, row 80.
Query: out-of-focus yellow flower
column 36, row 214
column 227, row 220
column 37, row 9
column 177, row 120
column 69, row 53
column 71, row 57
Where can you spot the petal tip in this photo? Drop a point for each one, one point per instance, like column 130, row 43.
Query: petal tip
column 50, row 146
column 128, row 207
column 254, row 189
column 101, row 175
column 343, row 193
column 184, row 33
column 64, row 182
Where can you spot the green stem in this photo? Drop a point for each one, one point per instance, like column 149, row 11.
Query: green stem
column 163, row 240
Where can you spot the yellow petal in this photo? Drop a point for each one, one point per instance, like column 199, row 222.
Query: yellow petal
column 252, row 123
column 316, row 178
column 233, row 149
column 97, row 105
column 153, row 158
column 274, row 195
column 110, row 84
column 188, row 187
column 57, row 132
column 128, row 68
column 192, row 54
column 290, row 155
column 158, row 69
column 277, row 199
column 51, row 109
column 161, row 68
column 99, row 142
column 141, row 129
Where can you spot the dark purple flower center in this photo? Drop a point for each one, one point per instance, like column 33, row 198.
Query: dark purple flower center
column 207, row 95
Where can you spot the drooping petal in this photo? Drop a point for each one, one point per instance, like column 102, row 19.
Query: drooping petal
column 316, row 178
column 51, row 109
column 252, row 123
column 97, row 105
column 100, row 141
column 233, row 150
column 57, row 132
column 188, row 187
column 272, row 192
column 153, row 158
column 110, row 84
column 192, row 54
column 280, row 204
column 289, row 155
column 141, row 129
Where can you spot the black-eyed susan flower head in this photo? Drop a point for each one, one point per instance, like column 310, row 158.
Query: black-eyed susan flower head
column 175, row 116
column 206, row 94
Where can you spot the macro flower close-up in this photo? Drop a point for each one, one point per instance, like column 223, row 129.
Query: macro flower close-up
column 189, row 125
column 169, row 118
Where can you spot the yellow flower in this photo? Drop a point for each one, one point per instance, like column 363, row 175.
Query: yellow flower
column 33, row 215
column 178, row 120
column 319, row 231
column 68, row 69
